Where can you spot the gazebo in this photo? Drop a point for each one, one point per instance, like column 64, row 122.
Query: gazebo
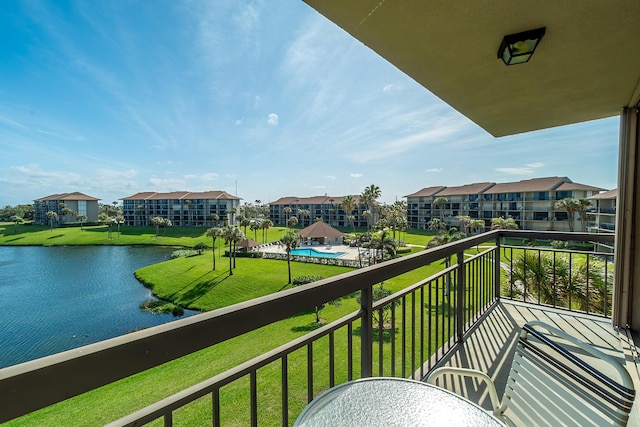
column 321, row 233
column 247, row 244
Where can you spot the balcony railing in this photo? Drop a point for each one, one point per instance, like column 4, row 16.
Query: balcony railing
column 404, row 334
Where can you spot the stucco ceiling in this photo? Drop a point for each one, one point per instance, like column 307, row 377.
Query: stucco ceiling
column 586, row 67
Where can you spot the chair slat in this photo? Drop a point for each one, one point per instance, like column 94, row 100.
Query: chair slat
column 554, row 385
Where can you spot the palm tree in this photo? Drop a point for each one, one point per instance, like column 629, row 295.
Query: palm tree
column 503, row 224
column 106, row 219
column 266, row 225
column 243, row 221
column 382, row 240
column 304, row 213
column 228, row 232
column 52, row 217
column 287, row 213
column 557, row 279
column 65, row 212
column 255, row 225
column 348, row 206
column 214, row 233
column 292, row 222
column 290, row 240
column 583, row 208
column 16, row 219
column 571, row 206
column 369, row 196
column 476, row 226
column 82, row 219
column 157, row 221
column 232, row 235
column 442, row 239
column 440, row 202
column 436, row 225
column 119, row 220
column 214, row 218
column 465, row 222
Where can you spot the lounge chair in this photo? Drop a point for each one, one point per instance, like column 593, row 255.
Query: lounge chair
column 550, row 385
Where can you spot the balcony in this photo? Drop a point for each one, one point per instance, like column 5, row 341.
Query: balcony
column 468, row 314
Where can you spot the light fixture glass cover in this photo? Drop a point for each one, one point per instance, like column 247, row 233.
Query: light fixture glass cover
column 518, row 48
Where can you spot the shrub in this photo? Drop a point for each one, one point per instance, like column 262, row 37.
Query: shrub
column 303, row 280
column 403, row 250
column 162, row 307
column 184, row 252
column 200, row 246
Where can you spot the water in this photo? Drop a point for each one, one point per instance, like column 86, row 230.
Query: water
column 314, row 253
column 58, row 298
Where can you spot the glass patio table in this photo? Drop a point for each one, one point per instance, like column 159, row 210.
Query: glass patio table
column 386, row 401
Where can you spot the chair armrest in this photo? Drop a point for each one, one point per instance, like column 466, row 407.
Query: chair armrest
column 624, row 374
column 493, row 394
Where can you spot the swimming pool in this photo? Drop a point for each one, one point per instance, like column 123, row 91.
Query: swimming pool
column 317, row 254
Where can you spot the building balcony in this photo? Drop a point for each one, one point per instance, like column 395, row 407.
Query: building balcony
column 468, row 314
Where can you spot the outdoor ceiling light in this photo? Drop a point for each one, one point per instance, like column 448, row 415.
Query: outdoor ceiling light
column 518, row 48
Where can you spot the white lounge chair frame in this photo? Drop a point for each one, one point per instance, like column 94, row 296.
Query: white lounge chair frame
column 548, row 385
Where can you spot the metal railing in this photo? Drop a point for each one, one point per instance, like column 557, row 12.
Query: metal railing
column 404, row 334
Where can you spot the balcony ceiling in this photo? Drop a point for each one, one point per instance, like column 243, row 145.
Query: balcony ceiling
column 586, row 67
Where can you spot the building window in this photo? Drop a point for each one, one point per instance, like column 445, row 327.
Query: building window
column 82, row 207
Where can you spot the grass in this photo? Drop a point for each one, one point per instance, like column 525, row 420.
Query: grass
column 192, row 283
column 42, row 235
column 186, row 282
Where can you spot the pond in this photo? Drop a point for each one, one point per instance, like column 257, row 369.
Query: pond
column 58, row 298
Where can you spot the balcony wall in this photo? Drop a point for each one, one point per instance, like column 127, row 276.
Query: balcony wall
column 405, row 334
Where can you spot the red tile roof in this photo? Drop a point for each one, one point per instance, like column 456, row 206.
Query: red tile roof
column 320, row 229
column 462, row 190
column 314, row 200
column 427, row 191
column 186, row 195
column 570, row 186
column 66, row 196
column 528, row 185
column 611, row 194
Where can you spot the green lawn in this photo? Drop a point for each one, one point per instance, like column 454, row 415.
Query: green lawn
column 99, row 235
column 192, row 283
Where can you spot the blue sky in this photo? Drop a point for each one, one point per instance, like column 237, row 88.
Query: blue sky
column 115, row 97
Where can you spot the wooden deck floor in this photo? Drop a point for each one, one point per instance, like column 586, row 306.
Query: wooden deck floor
column 489, row 347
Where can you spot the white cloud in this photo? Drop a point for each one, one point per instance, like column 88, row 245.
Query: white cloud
column 528, row 169
column 115, row 174
column 272, row 119
column 211, row 176
column 434, row 170
column 331, row 177
column 166, row 184
column 356, row 175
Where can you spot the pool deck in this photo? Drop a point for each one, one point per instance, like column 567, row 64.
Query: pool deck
column 349, row 252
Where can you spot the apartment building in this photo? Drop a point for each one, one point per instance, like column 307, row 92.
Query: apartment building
column 78, row 203
column 602, row 215
column 307, row 209
column 531, row 203
column 183, row 208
